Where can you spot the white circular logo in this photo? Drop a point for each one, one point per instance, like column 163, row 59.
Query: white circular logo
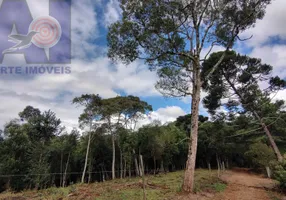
column 49, row 31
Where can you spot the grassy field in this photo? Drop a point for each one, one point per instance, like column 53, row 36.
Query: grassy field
column 163, row 186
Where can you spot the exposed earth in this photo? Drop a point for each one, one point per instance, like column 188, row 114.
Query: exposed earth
column 241, row 185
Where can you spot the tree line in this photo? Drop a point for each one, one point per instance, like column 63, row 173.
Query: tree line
column 37, row 152
column 171, row 37
column 246, row 129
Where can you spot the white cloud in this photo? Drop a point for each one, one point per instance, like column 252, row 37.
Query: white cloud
column 12, row 103
column 268, row 41
column 273, row 24
column 96, row 74
column 56, row 92
column 164, row 115
column 91, row 73
column 261, row 45
column 273, row 55
column 170, row 113
column 207, row 51
column 84, row 28
column 112, row 12
column 279, row 96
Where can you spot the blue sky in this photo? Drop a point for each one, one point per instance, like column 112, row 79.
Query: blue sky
column 92, row 71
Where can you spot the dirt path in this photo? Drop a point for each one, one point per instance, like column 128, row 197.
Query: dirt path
column 243, row 185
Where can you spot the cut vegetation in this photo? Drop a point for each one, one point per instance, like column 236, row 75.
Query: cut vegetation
column 162, row 186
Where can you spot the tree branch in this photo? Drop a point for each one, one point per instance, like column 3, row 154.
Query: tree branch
column 244, row 38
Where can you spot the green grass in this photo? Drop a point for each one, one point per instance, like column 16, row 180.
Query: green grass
column 163, row 186
column 219, row 187
column 205, row 180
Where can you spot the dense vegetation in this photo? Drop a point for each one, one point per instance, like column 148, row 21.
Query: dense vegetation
column 246, row 127
column 37, row 152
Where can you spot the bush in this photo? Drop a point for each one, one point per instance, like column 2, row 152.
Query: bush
column 260, row 155
column 280, row 173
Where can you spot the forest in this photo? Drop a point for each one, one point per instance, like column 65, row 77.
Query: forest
column 37, row 152
column 197, row 50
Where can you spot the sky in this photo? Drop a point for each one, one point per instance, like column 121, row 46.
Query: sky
column 93, row 72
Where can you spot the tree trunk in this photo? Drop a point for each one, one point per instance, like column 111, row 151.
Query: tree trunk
column 162, row 167
column 65, row 174
column 103, row 176
column 86, row 156
column 223, row 166
column 154, row 161
column 61, row 176
column 89, row 168
column 103, row 173
column 106, row 176
column 53, row 181
column 129, row 171
column 268, row 171
column 124, row 171
column 140, row 169
column 113, row 156
column 209, row 165
column 188, row 184
column 272, row 142
column 143, row 177
column 218, row 166
column 121, row 165
column 136, row 163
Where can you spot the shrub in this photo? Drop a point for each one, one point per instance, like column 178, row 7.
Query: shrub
column 260, row 155
column 280, row 173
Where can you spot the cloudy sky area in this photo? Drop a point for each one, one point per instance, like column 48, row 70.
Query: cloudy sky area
column 92, row 72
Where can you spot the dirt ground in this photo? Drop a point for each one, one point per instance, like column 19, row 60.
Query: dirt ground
column 242, row 185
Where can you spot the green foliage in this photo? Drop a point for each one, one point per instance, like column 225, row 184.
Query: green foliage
column 238, row 75
column 184, row 122
column 30, row 112
column 92, row 108
column 280, row 173
column 170, row 36
column 170, row 40
column 219, row 187
column 25, row 151
column 14, row 155
column 41, row 163
column 237, row 79
column 168, row 144
column 260, row 155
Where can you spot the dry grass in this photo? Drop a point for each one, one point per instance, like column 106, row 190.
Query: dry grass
column 163, row 186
